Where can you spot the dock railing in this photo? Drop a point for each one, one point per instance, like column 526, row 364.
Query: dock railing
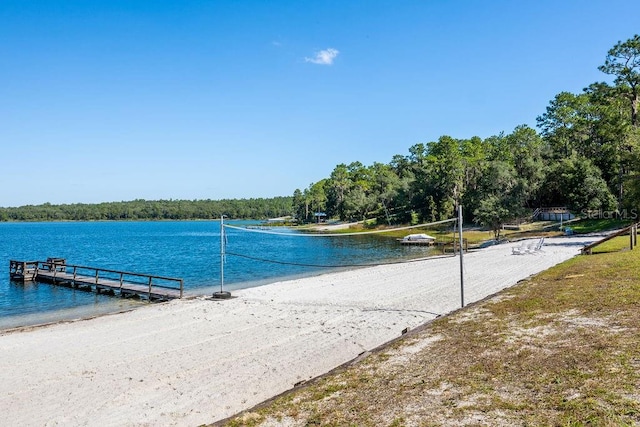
column 632, row 230
column 23, row 270
column 62, row 271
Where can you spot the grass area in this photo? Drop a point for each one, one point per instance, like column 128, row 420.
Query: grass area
column 595, row 225
column 562, row 348
column 616, row 244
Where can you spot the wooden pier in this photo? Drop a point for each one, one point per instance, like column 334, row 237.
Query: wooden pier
column 100, row 280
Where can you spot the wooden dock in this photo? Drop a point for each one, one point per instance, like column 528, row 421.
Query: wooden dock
column 417, row 242
column 100, row 280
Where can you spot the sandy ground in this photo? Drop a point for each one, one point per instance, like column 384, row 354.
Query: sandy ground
column 197, row 361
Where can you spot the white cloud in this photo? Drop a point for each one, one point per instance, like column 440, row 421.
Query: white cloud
column 324, row 57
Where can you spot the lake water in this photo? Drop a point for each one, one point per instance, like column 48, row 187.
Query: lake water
column 184, row 249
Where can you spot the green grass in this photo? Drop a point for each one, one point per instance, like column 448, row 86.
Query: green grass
column 562, row 348
column 596, row 225
column 616, row 244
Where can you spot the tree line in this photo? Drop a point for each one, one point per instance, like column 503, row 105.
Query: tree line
column 584, row 156
column 259, row 208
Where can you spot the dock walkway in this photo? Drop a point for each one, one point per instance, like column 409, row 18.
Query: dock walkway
column 114, row 282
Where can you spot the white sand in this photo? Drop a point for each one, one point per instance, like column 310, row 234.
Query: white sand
column 197, row 361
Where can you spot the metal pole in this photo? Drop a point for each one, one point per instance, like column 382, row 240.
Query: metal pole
column 221, row 253
column 222, row 294
column 461, row 252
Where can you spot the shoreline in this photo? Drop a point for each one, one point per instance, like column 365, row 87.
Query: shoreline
column 59, row 316
column 198, row 361
column 198, row 293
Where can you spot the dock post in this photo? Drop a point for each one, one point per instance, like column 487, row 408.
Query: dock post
column 97, row 281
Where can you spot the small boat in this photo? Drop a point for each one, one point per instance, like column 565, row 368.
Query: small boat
column 418, row 239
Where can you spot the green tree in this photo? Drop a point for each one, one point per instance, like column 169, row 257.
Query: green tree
column 300, row 206
column 447, row 169
column 492, row 213
column 564, row 124
column 577, row 183
column 623, row 62
column 386, row 185
column 403, row 169
column 609, row 146
column 502, row 196
column 317, row 197
column 474, row 159
column 337, row 187
column 593, row 125
column 526, row 147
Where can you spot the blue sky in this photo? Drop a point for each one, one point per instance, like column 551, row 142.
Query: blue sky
column 110, row 100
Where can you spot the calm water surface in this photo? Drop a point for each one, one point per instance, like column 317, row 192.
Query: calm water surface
column 185, row 249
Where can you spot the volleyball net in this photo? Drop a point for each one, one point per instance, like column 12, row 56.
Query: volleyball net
column 348, row 234
column 312, row 235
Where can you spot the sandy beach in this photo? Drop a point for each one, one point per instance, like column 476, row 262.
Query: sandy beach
column 196, row 361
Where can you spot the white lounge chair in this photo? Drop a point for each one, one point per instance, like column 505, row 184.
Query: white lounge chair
column 532, row 247
column 519, row 250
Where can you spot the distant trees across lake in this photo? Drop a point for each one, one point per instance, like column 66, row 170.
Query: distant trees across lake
column 260, row 208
